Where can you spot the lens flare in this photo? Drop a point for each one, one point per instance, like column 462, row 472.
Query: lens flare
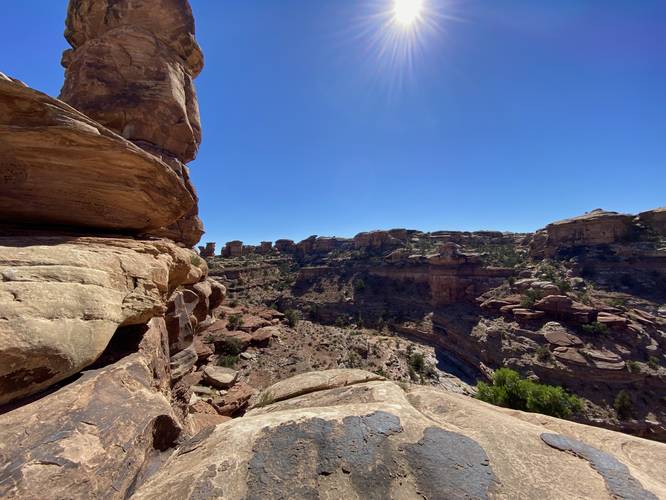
column 407, row 12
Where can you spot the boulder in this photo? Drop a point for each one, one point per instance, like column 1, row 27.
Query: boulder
column 557, row 335
column 93, row 437
column 62, row 298
column 235, row 400
column 263, row 336
column 182, row 362
column 566, row 308
column 60, row 167
column 371, row 439
column 219, row 376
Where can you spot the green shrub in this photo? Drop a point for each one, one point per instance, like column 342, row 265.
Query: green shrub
column 530, row 297
column 417, row 362
column 653, row 362
column 623, row 405
column 228, row 361
column 292, row 317
column 235, row 321
column 633, row 366
column 359, row 285
column 595, row 328
column 543, row 354
column 234, row 303
column 229, row 345
column 195, row 260
column 508, row 389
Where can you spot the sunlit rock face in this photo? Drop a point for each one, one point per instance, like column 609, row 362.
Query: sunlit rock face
column 61, row 167
column 131, row 68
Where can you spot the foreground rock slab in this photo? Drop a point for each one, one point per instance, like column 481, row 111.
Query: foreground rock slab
column 94, row 437
column 371, row 439
column 61, row 167
column 63, row 297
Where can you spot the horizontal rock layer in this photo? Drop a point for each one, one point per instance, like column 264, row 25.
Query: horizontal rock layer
column 60, row 167
column 62, row 298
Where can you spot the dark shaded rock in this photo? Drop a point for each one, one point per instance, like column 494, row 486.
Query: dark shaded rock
column 618, row 478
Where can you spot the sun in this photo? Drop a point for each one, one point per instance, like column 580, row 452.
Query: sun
column 407, row 12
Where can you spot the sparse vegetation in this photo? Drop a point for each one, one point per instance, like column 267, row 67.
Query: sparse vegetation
column 293, row 317
column 230, row 346
column 653, row 362
column 195, row 260
column 623, row 405
column 359, row 285
column 235, row 321
column 633, row 366
column 228, row 361
column 595, row 328
column 530, row 297
column 508, row 389
column 543, row 354
column 265, row 398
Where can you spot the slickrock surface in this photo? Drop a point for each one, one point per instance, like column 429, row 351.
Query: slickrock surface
column 371, row 439
column 60, row 167
column 93, row 437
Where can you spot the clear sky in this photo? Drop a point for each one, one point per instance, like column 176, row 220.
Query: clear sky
column 507, row 114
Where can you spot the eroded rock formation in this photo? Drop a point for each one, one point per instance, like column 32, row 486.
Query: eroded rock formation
column 131, row 68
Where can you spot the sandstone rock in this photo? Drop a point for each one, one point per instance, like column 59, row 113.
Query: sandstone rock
column 315, row 381
column 181, row 328
column 265, row 247
column 264, row 335
column 251, row 323
column 373, row 440
column 611, row 320
column 207, row 251
column 557, row 335
column 376, row 241
column 235, row 400
column 203, row 350
column 201, row 421
column 285, row 246
column 655, row 219
column 233, row 249
column 182, row 362
column 132, row 70
column 220, row 377
column 597, row 227
column 93, row 437
column 570, row 355
column 63, row 297
column 60, row 167
column 527, row 314
column 221, row 339
column 566, row 308
column 604, row 360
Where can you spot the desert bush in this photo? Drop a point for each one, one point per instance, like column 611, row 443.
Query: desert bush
column 653, row 362
column 292, row 317
column 623, row 405
column 633, row 366
column 359, row 285
column 530, row 297
column 235, row 321
column 543, row 354
column 595, row 328
column 508, row 389
column 227, row 361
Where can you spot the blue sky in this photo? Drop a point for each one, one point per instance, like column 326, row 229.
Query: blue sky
column 512, row 113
